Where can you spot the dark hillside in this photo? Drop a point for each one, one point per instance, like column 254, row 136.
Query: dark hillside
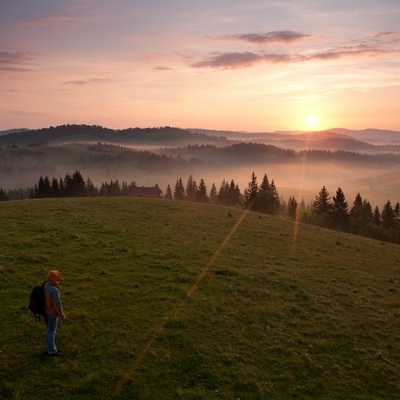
column 94, row 133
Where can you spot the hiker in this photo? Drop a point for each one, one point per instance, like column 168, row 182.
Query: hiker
column 54, row 310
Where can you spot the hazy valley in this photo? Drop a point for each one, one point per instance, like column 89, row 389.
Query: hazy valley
column 300, row 163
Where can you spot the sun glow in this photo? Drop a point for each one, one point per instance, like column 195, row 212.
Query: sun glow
column 311, row 121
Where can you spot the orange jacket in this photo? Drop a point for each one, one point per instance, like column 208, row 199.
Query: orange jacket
column 53, row 305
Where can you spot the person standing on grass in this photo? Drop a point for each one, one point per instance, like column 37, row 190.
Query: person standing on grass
column 53, row 309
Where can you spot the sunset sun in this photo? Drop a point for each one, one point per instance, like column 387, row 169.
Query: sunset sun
column 311, row 121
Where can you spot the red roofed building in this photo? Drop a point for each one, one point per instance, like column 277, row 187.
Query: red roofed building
column 153, row 192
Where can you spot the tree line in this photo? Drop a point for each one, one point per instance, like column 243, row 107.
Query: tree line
column 325, row 210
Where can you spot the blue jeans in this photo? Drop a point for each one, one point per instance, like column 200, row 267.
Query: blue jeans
column 51, row 335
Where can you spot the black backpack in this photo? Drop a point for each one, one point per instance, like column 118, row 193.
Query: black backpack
column 36, row 302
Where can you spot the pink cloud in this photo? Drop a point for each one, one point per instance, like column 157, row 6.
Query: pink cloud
column 230, row 60
column 90, row 81
column 163, row 69
column 15, row 61
column 236, row 60
column 270, row 37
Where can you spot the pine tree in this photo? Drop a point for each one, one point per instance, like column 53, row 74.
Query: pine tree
column 234, row 193
column 124, row 188
column 377, row 216
column 251, row 193
column 339, row 209
column 223, row 194
column 179, row 191
column 388, row 216
column 44, row 187
column 61, row 187
column 68, row 186
column 321, row 203
column 213, row 194
column 264, row 196
column 292, row 208
column 91, row 190
column 397, row 214
column 356, row 211
column 274, row 203
column 168, row 193
column 78, row 185
column 367, row 215
column 55, row 190
column 191, row 189
column 201, row 194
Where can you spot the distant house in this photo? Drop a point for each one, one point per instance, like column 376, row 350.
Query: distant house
column 153, row 192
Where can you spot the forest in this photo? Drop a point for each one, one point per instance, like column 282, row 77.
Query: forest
column 333, row 212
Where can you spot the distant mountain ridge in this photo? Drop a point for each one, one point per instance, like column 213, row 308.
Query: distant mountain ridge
column 367, row 140
column 11, row 131
column 92, row 133
column 371, row 134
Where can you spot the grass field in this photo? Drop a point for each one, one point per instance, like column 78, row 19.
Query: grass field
column 173, row 300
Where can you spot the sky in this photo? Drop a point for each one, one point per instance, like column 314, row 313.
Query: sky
column 254, row 65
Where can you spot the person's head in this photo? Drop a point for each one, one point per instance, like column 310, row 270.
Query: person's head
column 54, row 277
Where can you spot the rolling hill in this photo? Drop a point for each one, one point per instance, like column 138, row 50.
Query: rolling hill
column 172, row 300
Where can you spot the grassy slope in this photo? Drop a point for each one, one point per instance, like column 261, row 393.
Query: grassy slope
column 163, row 303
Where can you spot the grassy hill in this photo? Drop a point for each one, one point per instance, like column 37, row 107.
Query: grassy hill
column 173, row 300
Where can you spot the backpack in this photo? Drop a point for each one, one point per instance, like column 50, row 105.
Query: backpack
column 36, row 302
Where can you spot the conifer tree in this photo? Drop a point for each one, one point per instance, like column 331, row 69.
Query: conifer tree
column 68, row 186
column 274, row 203
column 377, row 216
column 47, row 187
column 397, row 214
column 91, row 190
column 179, row 191
column 339, row 209
column 78, row 185
column 367, row 214
column 201, row 194
column 213, row 194
column 264, row 195
column 168, row 193
column 124, row 188
column 321, row 203
column 191, row 189
column 223, row 194
column 292, row 207
column 388, row 216
column 251, row 193
column 234, row 193
column 61, row 187
column 55, row 190
column 356, row 211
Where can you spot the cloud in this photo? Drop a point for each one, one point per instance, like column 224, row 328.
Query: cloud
column 241, row 60
column 236, row 60
column 346, row 51
column 163, row 69
column 230, row 60
column 15, row 61
column 81, row 82
column 387, row 34
column 270, row 37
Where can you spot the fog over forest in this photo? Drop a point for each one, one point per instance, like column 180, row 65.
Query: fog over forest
column 299, row 163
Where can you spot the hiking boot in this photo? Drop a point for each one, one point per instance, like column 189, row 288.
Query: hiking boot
column 56, row 354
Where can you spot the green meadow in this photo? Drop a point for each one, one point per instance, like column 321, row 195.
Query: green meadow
column 175, row 300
